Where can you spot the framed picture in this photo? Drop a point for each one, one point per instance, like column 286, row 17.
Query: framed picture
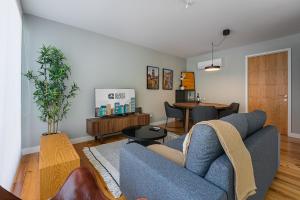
column 188, row 80
column 152, row 78
column 167, row 79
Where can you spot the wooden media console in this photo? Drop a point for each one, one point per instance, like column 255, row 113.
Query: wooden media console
column 100, row 127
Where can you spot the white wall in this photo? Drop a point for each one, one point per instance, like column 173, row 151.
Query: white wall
column 228, row 84
column 96, row 61
column 10, row 90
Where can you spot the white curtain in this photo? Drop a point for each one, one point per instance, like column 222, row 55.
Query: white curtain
column 10, row 90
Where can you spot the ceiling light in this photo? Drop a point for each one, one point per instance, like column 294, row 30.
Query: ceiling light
column 212, row 67
column 188, row 3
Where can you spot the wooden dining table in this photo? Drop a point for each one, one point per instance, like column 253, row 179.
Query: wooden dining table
column 187, row 106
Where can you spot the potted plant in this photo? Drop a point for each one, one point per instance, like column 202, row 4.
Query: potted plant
column 51, row 94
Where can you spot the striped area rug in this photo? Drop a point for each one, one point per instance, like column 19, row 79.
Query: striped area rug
column 105, row 158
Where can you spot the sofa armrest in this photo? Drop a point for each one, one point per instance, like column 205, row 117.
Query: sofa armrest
column 144, row 173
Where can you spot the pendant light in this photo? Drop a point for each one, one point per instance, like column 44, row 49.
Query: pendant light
column 188, row 3
column 212, row 67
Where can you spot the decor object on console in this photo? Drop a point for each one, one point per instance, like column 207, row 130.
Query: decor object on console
column 187, row 80
column 152, row 78
column 51, row 94
column 167, row 79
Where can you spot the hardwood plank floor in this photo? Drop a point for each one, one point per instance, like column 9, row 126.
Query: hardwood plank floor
column 26, row 183
column 286, row 184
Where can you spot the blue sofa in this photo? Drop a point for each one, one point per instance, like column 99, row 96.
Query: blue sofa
column 208, row 174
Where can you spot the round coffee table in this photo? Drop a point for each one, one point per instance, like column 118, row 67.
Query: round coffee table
column 144, row 135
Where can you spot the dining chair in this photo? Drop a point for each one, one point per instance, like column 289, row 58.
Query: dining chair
column 233, row 108
column 172, row 112
column 204, row 113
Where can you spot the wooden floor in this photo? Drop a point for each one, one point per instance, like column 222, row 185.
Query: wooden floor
column 286, row 184
column 26, row 184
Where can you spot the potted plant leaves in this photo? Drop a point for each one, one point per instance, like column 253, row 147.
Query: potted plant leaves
column 51, row 94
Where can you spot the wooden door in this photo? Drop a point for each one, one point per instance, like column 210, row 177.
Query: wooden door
column 268, row 87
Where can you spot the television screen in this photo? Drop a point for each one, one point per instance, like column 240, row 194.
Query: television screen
column 114, row 102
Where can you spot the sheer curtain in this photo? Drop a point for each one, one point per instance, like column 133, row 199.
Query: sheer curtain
column 10, row 90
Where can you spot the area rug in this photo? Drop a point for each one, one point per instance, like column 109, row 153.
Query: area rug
column 105, row 158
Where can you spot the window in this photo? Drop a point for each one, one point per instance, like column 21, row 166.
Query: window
column 10, row 90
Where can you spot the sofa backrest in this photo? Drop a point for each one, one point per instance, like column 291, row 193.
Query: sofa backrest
column 205, row 147
column 263, row 147
column 256, row 121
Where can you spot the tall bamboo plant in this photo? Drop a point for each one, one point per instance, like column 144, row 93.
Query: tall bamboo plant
column 51, row 95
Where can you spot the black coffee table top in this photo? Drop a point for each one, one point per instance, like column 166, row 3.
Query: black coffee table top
column 144, row 134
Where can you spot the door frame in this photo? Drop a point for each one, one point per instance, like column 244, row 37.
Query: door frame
column 289, row 50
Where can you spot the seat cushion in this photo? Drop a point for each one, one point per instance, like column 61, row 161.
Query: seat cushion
column 169, row 153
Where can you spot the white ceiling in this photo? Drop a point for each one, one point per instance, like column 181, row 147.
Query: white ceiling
column 167, row 26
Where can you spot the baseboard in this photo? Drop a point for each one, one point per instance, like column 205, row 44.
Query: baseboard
column 82, row 139
column 36, row 149
column 294, row 135
column 30, row 150
column 161, row 122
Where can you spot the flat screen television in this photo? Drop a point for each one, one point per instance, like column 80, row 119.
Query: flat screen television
column 114, row 102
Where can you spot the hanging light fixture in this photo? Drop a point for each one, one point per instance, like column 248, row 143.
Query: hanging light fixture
column 212, row 67
column 188, row 3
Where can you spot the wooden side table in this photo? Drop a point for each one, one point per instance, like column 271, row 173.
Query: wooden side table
column 58, row 159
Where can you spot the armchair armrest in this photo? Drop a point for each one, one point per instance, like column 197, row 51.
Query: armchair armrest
column 144, row 173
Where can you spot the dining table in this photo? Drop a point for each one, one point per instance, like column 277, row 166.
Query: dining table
column 187, row 106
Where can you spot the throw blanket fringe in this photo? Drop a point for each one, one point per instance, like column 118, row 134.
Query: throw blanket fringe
column 111, row 180
column 237, row 153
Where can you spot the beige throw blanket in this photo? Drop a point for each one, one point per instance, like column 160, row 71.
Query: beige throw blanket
column 237, row 153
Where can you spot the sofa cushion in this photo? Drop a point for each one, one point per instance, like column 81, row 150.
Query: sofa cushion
column 239, row 121
column 171, row 154
column 205, row 147
column 256, row 120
